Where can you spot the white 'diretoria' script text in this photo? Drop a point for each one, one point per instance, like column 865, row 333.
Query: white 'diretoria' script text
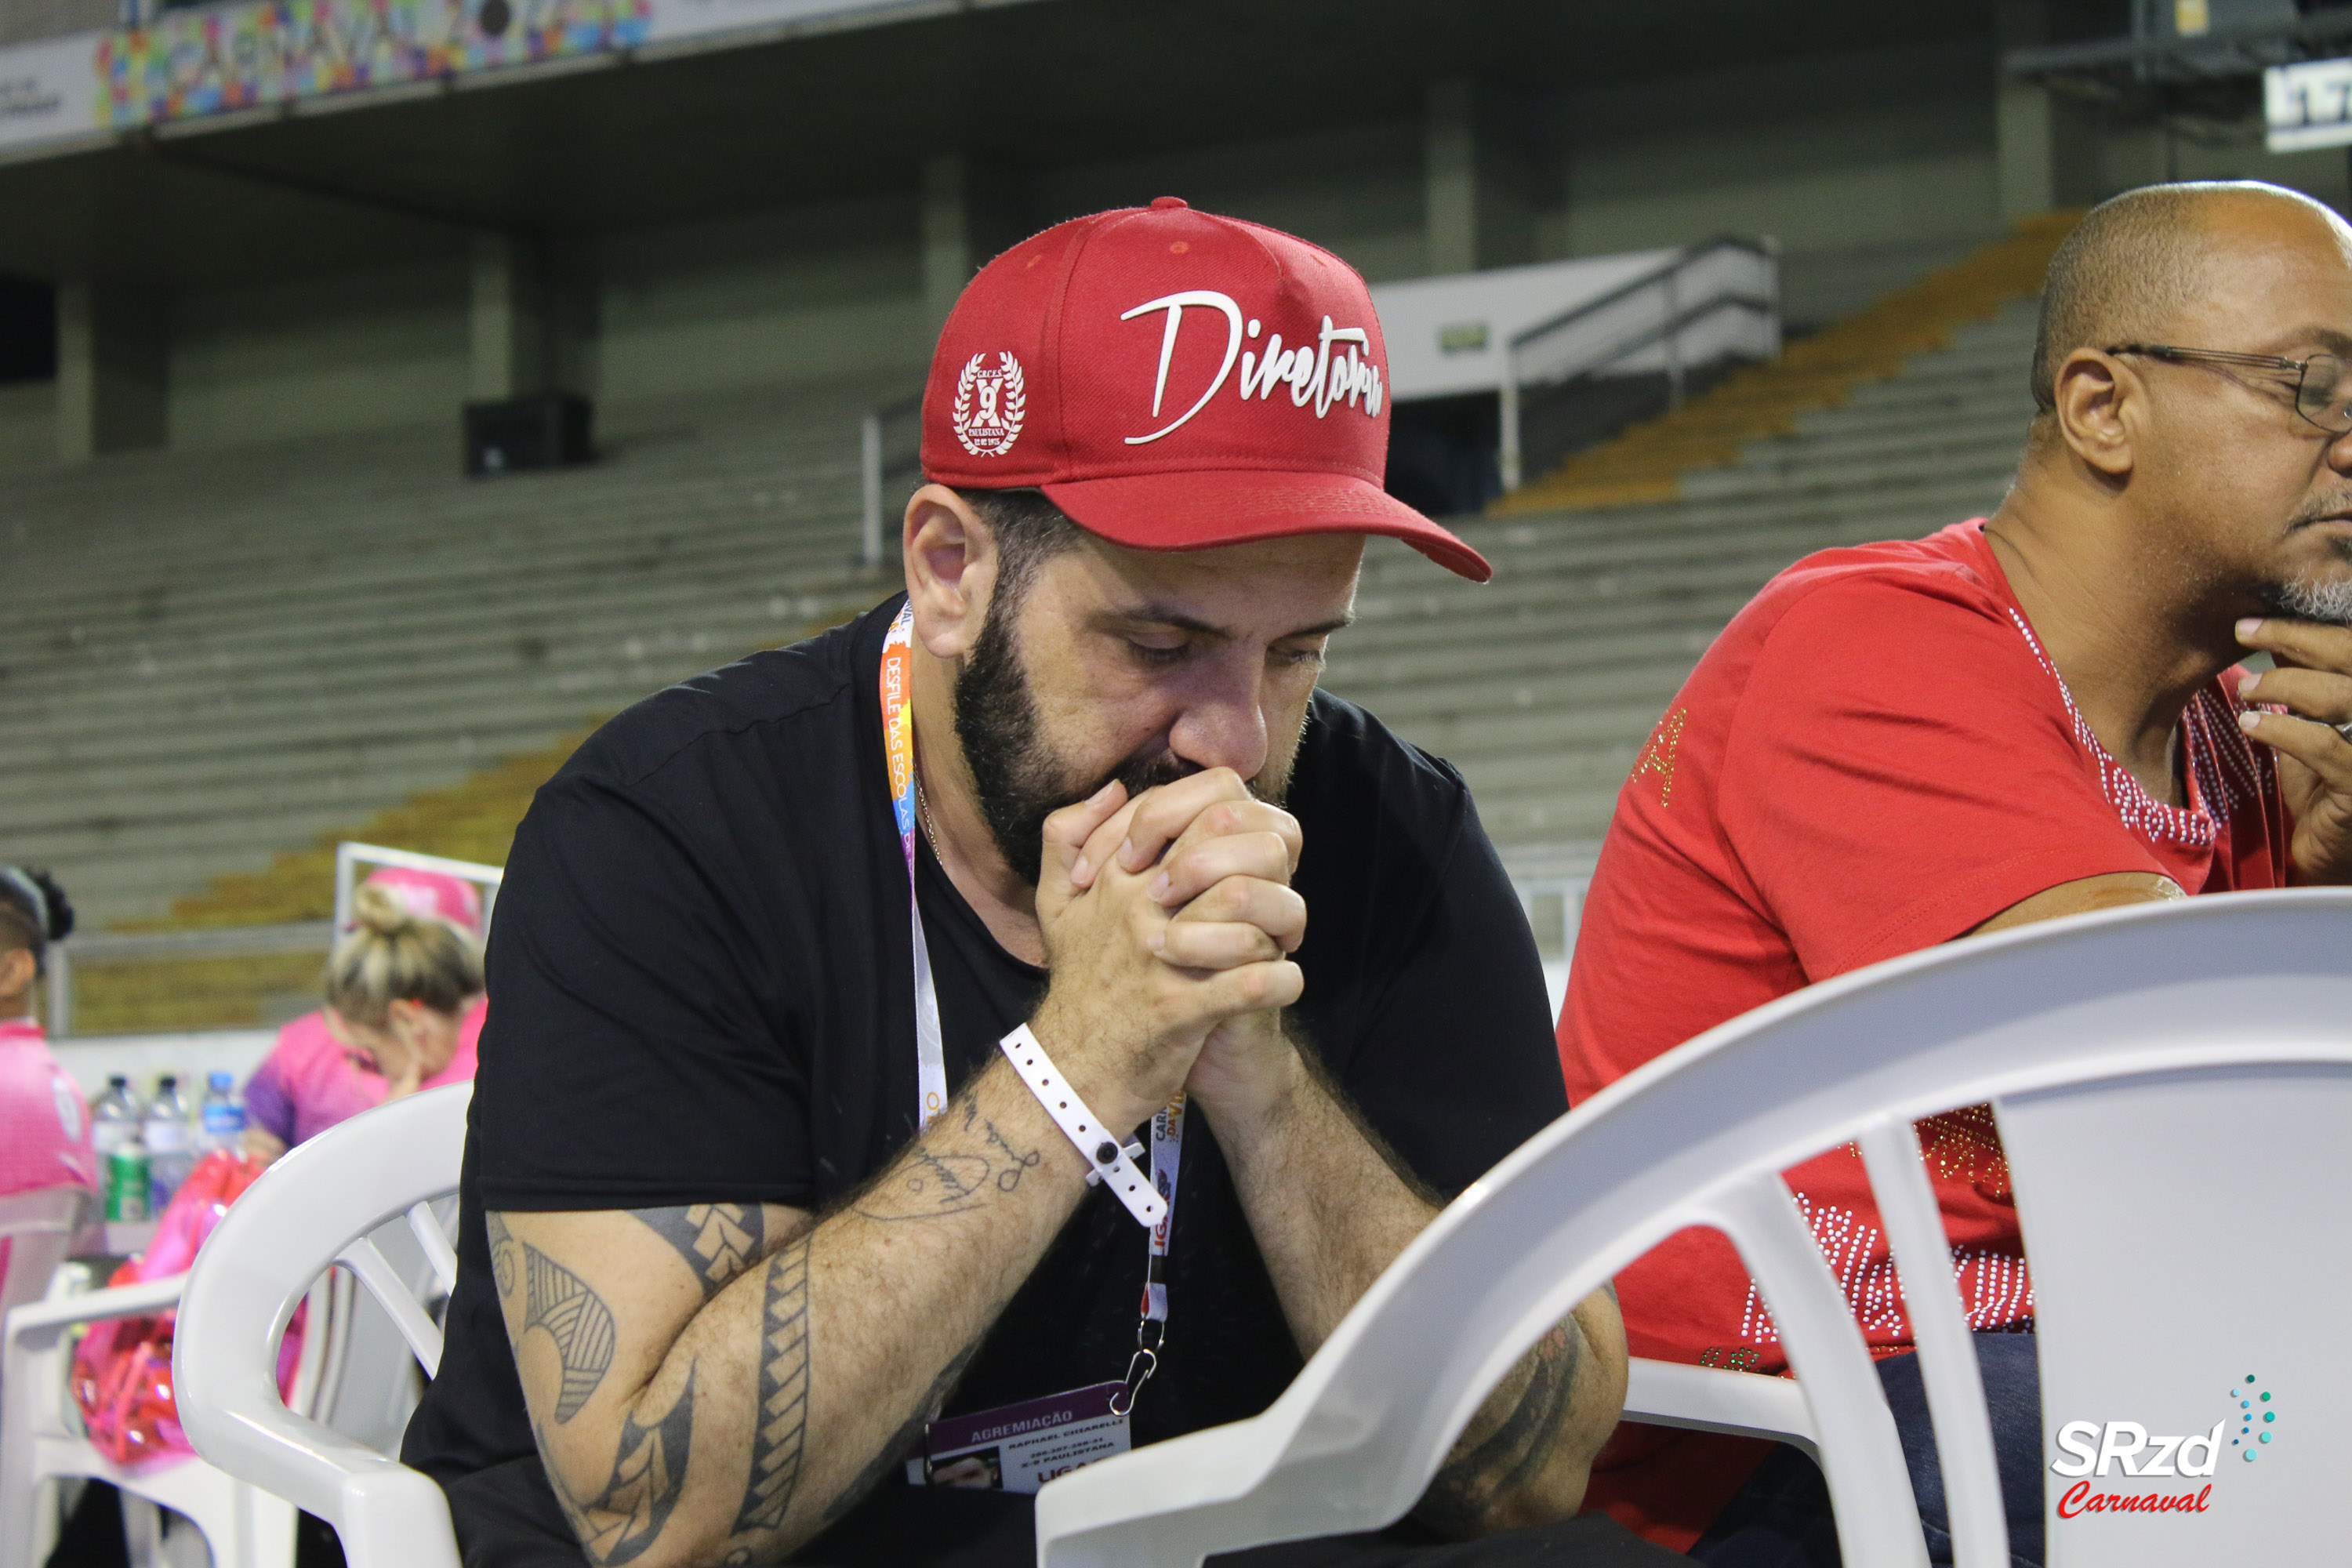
column 1318, row 372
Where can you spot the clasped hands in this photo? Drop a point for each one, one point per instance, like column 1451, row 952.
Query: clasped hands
column 1169, row 922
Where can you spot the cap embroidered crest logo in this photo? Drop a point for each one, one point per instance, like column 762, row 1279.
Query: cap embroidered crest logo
column 990, row 429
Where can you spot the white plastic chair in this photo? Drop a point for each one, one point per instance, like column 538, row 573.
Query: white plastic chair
column 39, row 1227
column 314, row 1209
column 2174, row 1091
column 42, row 1442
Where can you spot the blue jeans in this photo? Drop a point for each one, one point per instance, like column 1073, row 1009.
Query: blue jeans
column 1781, row 1518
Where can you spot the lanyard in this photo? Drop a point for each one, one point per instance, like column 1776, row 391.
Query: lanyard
column 898, row 748
column 930, row 1055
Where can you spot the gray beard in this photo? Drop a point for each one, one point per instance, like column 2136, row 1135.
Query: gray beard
column 2328, row 604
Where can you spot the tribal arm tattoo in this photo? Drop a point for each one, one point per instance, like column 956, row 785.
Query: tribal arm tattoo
column 558, row 1301
column 1464, row 1497
column 893, row 1452
column 620, row 1521
column 779, row 1420
column 716, row 1241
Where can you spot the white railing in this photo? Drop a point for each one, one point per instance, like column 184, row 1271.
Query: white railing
column 237, row 942
column 148, row 946
column 350, row 856
column 1709, row 302
column 885, row 453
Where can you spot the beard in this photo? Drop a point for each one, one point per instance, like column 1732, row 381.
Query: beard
column 2311, row 599
column 2328, row 604
column 1019, row 777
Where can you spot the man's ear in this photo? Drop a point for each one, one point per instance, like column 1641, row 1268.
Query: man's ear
column 950, row 560
column 2101, row 404
column 17, row 971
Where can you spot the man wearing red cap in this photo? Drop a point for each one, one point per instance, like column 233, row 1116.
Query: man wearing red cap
column 1017, row 1025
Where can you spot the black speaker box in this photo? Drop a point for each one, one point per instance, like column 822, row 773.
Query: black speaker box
column 547, row 430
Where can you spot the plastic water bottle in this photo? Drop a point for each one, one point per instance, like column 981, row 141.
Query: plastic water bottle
column 223, row 1125
column 171, row 1142
column 114, row 1120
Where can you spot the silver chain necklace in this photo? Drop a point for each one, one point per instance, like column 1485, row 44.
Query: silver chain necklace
column 923, row 815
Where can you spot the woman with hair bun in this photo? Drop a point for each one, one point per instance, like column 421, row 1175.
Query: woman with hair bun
column 404, row 1010
column 44, row 1121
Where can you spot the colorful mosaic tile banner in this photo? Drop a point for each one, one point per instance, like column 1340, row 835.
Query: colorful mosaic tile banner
column 216, row 59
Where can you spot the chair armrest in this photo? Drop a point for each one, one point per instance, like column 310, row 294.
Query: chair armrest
column 1708, row 1399
column 115, row 1302
column 386, row 1515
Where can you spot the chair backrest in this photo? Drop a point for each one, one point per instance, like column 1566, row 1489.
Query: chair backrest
column 316, row 1207
column 2173, row 1084
column 38, row 1227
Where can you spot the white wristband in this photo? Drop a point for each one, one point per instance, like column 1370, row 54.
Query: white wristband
column 1106, row 1160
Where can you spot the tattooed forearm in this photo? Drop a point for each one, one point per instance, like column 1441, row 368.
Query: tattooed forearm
column 560, row 1301
column 716, row 1241
column 620, row 1522
column 1016, row 1164
column 779, row 1425
column 502, row 1264
column 930, row 1184
column 1464, row 1493
column 892, row 1456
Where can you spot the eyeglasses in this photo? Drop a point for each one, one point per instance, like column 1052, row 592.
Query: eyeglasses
column 2323, row 385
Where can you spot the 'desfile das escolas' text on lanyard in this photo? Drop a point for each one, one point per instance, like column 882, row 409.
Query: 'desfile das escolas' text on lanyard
column 931, row 1064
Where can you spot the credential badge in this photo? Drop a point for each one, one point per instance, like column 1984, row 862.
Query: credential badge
column 991, row 401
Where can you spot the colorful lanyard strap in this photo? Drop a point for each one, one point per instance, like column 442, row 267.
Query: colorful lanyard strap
column 899, row 749
column 930, row 1054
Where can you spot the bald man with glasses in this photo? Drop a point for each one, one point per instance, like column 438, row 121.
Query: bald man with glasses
column 2040, row 713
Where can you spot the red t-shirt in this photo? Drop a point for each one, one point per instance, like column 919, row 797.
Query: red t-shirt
column 1874, row 757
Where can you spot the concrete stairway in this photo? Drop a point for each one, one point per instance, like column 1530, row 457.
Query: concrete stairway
column 1647, row 462
column 206, row 660
column 1543, row 685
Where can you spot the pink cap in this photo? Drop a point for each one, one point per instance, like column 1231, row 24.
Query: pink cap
column 434, row 894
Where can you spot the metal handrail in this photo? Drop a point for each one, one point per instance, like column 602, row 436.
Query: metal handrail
column 230, row 941
column 351, row 855
column 1533, row 891
column 874, row 468
column 204, row 941
column 1666, row 279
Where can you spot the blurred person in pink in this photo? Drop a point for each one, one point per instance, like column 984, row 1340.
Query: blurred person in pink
column 44, row 1121
column 403, row 1011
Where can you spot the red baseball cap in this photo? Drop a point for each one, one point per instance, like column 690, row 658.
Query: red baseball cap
column 1173, row 380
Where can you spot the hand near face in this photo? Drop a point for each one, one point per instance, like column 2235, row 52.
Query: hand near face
column 1122, row 1019
column 1225, row 860
column 2313, row 683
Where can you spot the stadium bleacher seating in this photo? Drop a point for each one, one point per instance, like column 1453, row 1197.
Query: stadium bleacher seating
column 214, row 657
column 1543, row 686
column 414, row 653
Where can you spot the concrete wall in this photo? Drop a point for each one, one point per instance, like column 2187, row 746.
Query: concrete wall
column 28, row 425
column 1869, row 167
column 25, row 21
column 1353, row 189
column 360, row 351
column 812, row 294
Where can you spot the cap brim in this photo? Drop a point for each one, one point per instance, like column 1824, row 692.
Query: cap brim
column 1201, row 511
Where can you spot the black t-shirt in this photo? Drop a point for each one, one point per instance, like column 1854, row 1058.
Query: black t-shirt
column 702, row 986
